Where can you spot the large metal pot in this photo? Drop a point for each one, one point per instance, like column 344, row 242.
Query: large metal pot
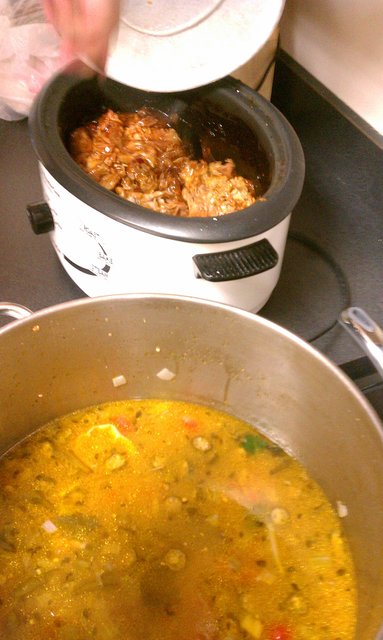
column 68, row 356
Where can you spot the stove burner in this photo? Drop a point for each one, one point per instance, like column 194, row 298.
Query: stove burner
column 316, row 296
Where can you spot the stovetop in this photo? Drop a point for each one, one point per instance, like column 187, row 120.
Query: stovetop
column 334, row 253
column 334, row 249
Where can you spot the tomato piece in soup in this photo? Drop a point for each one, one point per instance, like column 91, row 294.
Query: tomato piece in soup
column 279, row 632
column 124, row 424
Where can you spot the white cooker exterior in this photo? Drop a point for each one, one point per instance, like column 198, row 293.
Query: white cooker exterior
column 113, row 258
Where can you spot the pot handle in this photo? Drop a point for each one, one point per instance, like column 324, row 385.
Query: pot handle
column 16, row 311
column 366, row 332
column 235, row 264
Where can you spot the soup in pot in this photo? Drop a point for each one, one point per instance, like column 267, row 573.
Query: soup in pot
column 148, row 520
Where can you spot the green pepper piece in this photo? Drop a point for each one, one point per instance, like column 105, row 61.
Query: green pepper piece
column 252, row 443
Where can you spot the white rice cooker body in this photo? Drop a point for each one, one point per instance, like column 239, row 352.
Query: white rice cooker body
column 103, row 256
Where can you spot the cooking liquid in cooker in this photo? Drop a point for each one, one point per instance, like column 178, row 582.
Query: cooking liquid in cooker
column 148, row 519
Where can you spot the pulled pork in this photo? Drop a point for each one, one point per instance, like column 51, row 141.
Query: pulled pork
column 140, row 157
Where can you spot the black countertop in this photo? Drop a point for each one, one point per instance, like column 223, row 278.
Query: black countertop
column 334, row 252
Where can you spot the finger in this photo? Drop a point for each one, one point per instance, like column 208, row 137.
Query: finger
column 98, row 20
column 85, row 27
column 49, row 10
column 61, row 13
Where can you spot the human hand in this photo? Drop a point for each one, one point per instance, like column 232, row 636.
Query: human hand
column 85, row 27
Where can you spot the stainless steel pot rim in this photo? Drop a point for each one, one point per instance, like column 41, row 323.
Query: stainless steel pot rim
column 277, row 203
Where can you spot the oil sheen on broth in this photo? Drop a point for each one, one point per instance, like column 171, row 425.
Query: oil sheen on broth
column 165, row 520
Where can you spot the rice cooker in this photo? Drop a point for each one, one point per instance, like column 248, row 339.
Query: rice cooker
column 108, row 245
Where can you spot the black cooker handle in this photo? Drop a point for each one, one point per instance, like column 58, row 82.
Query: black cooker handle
column 234, row 264
column 41, row 218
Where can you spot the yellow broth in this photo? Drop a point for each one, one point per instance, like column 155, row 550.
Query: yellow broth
column 156, row 520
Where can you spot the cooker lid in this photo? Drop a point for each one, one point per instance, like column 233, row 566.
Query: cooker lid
column 172, row 46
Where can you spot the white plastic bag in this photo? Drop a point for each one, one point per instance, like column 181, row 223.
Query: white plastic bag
column 29, row 55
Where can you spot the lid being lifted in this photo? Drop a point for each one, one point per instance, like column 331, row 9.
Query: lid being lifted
column 173, row 46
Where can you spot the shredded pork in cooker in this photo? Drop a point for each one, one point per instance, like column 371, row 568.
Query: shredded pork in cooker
column 140, row 157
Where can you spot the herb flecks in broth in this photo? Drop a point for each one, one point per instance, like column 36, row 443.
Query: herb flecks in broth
column 148, row 519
